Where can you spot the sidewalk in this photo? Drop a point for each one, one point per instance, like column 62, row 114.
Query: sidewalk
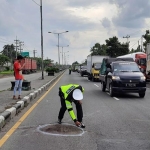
column 6, row 100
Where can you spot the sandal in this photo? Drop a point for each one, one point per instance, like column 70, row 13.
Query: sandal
column 19, row 97
column 14, row 97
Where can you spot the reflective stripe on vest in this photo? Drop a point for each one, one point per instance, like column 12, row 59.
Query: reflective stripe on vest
column 66, row 89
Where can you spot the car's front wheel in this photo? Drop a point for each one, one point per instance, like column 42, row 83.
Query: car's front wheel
column 111, row 91
column 103, row 86
column 142, row 95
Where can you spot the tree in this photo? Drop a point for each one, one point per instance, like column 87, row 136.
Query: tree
column 3, row 60
column 47, row 62
column 147, row 39
column 9, row 51
column 98, row 49
column 115, row 48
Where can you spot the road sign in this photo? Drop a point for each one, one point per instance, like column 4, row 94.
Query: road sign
column 25, row 54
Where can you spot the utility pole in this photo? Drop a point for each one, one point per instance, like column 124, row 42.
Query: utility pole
column 42, row 39
column 127, row 37
column 34, row 51
column 16, row 45
column 21, row 44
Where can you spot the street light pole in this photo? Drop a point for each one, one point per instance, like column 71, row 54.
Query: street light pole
column 58, row 50
column 58, row 44
column 62, row 56
column 42, row 40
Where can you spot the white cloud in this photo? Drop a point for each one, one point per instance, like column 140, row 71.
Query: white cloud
column 88, row 22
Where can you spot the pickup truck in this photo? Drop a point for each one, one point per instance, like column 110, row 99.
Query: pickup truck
column 122, row 75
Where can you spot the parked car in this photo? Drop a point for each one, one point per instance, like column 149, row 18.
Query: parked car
column 83, row 70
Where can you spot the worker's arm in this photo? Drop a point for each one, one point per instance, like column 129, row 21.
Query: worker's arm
column 71, row 112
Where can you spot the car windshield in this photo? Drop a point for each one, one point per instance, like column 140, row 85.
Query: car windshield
column 143, row 61
column 125, row 67
column 97, row 66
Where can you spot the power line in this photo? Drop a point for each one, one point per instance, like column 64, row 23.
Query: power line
column 35, row 2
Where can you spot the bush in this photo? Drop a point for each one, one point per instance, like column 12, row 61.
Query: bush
column 50, row 69
column 7, row 68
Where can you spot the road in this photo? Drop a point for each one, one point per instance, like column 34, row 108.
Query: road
column 5, row 83
column 112, row 123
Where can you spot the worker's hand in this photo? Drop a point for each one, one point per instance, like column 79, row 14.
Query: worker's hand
column 80, row 102
column 77, row 123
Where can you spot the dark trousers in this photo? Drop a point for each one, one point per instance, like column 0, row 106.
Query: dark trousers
column 63, row 109
column 69, row 71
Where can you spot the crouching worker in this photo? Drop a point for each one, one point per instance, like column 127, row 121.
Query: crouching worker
column 68, row 94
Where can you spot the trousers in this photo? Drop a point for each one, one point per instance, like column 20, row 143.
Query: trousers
column 78, row 110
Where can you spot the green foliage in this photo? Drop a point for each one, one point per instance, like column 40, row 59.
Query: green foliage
column 52, row 69
column 115, row 48
column 98, row 49
column 147, row 39
column 9, row 51
column 7, row 68
column 3, row 60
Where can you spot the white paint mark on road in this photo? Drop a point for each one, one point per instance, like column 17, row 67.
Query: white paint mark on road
column 116, row 98
column 96, row 85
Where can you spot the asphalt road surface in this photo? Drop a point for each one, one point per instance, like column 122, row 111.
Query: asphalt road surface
column 112, row 123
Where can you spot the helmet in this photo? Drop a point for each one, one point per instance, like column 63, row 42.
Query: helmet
column 77, row 94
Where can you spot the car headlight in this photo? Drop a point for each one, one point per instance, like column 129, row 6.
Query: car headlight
column 115, row 78
column 143, row 78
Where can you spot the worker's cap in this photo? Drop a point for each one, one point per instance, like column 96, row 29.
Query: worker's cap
column 77, row 94
column 19, row 57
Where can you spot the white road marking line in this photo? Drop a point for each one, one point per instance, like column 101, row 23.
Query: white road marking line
column 96, row 85
column 116, row 98
column 108, row 93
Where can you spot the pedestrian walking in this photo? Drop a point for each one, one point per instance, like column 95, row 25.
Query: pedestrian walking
column 18, row 76
column 68, row 94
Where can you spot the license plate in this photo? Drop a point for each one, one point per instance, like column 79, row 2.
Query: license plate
column 131, row 85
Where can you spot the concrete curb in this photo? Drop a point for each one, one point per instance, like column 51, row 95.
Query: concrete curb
column 10, row 113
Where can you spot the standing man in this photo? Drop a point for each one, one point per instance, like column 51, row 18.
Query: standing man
column 18, row 76
column 68, row 94
column 70, row 70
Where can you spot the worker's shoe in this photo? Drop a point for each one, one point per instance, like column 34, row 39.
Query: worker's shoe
column 59, row 121
column 19, row 97
column 82, row 125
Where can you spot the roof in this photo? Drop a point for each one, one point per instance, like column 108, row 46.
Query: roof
column 108, row 61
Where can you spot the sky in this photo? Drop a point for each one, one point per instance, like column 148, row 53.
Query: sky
column 87, row 22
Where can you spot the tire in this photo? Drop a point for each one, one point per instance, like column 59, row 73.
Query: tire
column 111, row 91
column 141, row 95
column 103, row 87
column 93, row 79
column 89, row 78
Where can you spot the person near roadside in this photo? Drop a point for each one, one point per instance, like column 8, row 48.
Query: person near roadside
column 70, row 70
column 18, row 76
column 68, row 94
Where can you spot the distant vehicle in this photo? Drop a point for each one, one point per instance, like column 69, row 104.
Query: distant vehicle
column 122, row 75
column 139, row 58
column 79, row 69
column 83, row 70
column 93, row 66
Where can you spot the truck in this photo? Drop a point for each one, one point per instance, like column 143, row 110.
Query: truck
column 148, row 61
column 139, row 58
column 93, row 66
column 122, row 75
column 30, row 65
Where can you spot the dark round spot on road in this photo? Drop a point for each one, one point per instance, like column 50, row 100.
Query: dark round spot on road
column 61, row 129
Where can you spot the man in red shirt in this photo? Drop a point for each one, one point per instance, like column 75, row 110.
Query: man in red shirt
column 18, row 76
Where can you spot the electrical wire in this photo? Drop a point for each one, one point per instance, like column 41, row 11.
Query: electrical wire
column 35, row 2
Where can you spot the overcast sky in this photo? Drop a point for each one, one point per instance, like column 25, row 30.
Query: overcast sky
column 88, row 22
